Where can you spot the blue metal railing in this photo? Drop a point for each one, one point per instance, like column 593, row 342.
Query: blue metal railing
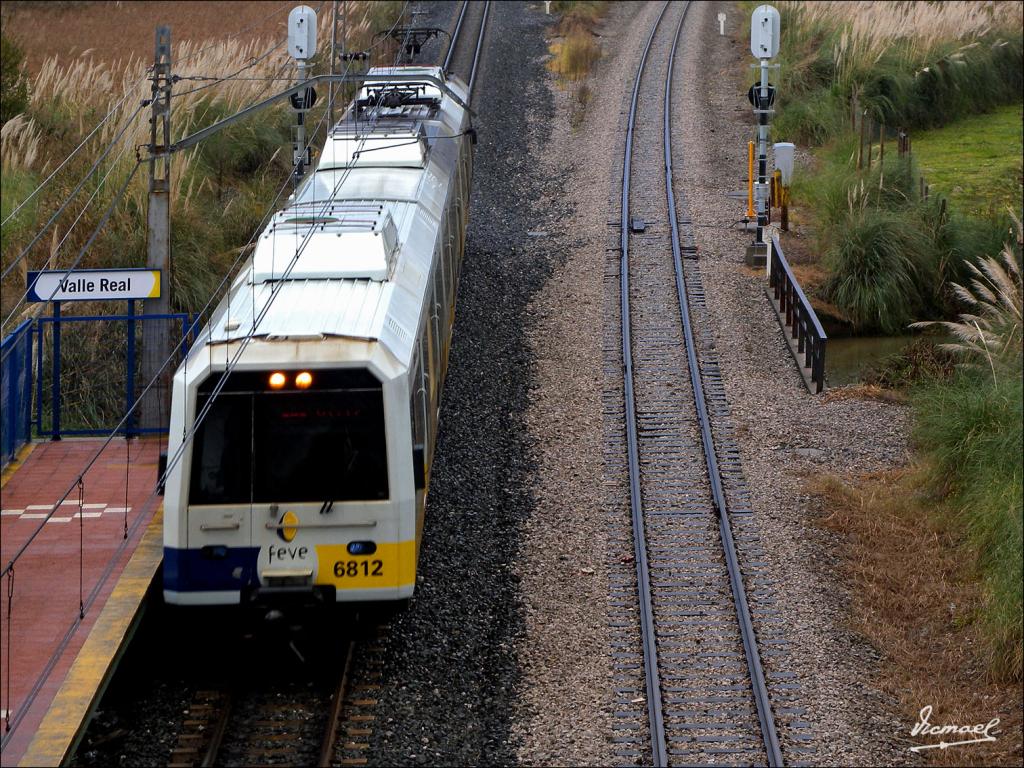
column 15, row 391
column 56, row 430
column 801, row 321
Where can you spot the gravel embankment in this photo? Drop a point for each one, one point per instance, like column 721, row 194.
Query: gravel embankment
column 451, row 672
column 566, row 697
column 785, row 434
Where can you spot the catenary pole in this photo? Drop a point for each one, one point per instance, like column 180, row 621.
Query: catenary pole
column 156, row 333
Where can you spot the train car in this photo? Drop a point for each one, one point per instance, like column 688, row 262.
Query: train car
column 306, row 414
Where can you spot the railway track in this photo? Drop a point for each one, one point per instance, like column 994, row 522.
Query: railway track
column 463, row 55
column 299, row 724
column 703, row 697
column 248, row 724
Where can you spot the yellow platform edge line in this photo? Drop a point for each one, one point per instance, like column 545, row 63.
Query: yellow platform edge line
column 16, row 463
column 64, row 723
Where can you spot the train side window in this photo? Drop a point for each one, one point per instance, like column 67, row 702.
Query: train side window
column 418, row 399
column 450, row 248
column 431, row 352
column 427, row 386
column 443, row 279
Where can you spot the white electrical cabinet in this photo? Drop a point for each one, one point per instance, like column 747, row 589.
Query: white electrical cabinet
column 784, row 156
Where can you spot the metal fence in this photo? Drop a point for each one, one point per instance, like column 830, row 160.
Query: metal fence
column 103, row 352
column 799, row 319
column 15, row 391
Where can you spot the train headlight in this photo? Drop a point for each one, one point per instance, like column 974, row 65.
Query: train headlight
column 277, row 380
column 303, row 380
column 362, row 547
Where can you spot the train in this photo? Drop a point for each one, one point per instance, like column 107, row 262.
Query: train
column 304, row 418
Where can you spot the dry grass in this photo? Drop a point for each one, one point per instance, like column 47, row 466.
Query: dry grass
column 871, row 28
column 575, row 54
column 19, row 144
column 576, row 49
column 84, row 30
column 72, row 90
column 916, row 598
column 863, row 392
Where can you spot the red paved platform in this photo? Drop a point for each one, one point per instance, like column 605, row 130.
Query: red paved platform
column 79, row 554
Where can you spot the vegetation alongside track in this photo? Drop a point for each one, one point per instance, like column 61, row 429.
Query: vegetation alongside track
column 915, row 66
column 220, row 190
column 893, row 255
column 576, row 49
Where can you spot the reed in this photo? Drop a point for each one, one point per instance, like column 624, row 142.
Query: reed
column 237, row 173
column 988, row 333
column 914, row 64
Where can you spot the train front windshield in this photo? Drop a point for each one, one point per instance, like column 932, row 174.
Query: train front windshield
column 257, row 445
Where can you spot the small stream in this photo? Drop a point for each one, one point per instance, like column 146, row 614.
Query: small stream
column 848, row 358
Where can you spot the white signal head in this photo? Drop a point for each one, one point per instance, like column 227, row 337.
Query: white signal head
column 302, row 33
column 764, row 32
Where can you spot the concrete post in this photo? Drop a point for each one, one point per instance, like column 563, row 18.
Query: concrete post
column 154, row 409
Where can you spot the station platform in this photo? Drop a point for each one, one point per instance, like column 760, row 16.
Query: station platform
column 100, row 550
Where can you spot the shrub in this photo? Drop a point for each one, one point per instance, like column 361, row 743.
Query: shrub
column 578, row 50
column 875, row 271
column 970, row 430
column 920, row 361
column 13, row 85
column 988, row 334
column 918, row 65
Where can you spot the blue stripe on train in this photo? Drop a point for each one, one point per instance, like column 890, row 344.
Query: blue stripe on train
column 212, row 568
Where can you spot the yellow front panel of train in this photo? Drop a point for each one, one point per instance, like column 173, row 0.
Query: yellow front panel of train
column 392, row 565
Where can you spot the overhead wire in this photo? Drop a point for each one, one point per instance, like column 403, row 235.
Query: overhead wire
column 74, row 192
column 145, row 103
column 9, row 568
column 234, row 76
column 56, row 249
column 113, row 109
column 172, row 462
column 74, row 152
column 114, row 432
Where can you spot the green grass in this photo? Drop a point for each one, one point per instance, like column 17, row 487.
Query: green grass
column 910, row 73
column 15, row 186
column 969, row 429
column 976, row 161
column 890, row 254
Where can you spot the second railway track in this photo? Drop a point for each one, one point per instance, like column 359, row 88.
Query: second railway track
column 705, row 698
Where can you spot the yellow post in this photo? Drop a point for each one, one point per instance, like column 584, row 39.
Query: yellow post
column 750, row 180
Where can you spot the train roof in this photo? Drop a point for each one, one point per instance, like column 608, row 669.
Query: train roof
column 350, row 253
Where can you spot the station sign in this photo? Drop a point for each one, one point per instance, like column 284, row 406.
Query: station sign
column 93, row 285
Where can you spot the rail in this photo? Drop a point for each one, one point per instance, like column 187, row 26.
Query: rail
column 807, row 337
column 660, row 744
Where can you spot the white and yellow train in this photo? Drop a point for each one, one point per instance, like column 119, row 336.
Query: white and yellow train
column 321, row 370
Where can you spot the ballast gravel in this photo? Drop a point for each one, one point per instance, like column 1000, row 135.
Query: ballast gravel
column 451, row 661
column 566, row 694
column 784, row 432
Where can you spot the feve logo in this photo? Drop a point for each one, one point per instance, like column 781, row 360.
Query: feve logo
column 289, row 526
